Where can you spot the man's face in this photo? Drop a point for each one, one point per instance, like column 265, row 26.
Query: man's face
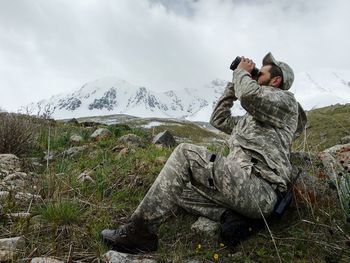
column 264, row 76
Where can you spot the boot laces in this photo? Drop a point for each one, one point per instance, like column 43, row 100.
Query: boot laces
column 124, row 230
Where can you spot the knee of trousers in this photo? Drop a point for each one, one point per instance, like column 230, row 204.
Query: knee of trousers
column 182, row 147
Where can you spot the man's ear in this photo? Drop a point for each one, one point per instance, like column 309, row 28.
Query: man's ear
column 276, row 82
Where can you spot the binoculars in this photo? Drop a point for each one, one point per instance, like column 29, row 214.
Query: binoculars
column 235, row 63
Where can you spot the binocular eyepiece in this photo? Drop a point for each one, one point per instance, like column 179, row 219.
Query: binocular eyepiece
column 235, row 63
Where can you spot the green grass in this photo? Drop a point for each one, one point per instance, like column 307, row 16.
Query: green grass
column 75, row 212
column 63, row 212
column 326, row 126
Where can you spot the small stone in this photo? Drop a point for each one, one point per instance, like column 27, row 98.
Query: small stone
column 205, row 226
column 345, row 139
column 131, row 140
column 6, row 255
column 49, row 156
column 4, row 194
column 101, row 134
column 160, row 160
column 12, row 243
column 45, row 260
column 85, row 177
column 124, row 151
column 16, row 176
column 27, row 196
column 74, row 151
column 18, row 216
column 75, row 139
column 117, row 257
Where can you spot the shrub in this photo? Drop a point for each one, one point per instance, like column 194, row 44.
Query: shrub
column 18, row 133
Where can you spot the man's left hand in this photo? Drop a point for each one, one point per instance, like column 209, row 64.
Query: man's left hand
column 246, row 64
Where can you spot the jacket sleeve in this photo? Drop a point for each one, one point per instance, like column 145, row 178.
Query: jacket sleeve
column 221, row 118
column 266, row 104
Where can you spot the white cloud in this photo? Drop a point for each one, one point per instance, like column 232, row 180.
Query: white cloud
column 47, row 46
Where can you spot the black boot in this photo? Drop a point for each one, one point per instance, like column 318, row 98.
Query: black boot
column 133, row 237
column 235, row 228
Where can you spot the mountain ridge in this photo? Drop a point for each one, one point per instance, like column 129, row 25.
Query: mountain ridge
column 110, row 95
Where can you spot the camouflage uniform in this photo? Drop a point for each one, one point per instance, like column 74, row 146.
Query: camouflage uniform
column 207, row 184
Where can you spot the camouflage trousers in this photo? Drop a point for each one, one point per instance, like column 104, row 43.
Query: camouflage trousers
column 205, row 184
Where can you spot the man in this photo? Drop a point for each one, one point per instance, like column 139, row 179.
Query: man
column 247, row 181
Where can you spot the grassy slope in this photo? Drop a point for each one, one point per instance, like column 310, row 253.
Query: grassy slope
column 74, row 213
column 326, row 126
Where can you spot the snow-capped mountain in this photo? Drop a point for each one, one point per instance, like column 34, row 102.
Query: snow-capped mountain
column 111, row 95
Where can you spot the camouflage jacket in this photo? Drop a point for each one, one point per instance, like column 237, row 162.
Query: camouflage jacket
column 262, row 138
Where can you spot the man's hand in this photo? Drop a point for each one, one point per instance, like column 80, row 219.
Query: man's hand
column 246, row 64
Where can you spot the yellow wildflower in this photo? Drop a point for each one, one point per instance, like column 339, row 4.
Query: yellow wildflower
column 216, row 257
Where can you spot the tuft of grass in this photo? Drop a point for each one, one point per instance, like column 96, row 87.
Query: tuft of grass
column 63, row 212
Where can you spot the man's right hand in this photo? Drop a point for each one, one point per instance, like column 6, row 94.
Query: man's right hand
column 246, row 64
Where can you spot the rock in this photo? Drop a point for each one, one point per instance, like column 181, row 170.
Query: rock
column 90, row 124
column 336, row 160
column 131, row 140
column 236, row 257
column 12, row 243
column 336, row 163
column 4, row 194
column 73, row 121
column 101, row 134
column 49, row 156
column 345, row 140
column 45, row 260
column 18, row 216
column 117, row 257
column 15, row 176
column 205, row 226
column 34, row 163
column 6, row 256
column 74, row 151
column 160, row 160
column 9, row 163
column 118, row 148
column 27, row 196
column 164, row 138
column 75, row 139
column 85, row 177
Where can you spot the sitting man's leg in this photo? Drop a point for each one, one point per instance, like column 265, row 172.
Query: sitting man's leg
column 218, row 181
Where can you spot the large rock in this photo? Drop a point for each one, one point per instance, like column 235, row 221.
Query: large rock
column 9, row 163
column 131, row 140
column 205, row 226
column 101, row 134
column 164, row 138
column 117, row 257
column 336, row 162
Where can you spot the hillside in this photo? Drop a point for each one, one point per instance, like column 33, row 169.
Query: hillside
column 90, row 184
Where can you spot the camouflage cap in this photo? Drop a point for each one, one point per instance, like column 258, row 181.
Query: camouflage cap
column 288, row 75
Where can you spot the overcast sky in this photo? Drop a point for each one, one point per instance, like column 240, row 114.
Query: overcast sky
column 53, row 46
